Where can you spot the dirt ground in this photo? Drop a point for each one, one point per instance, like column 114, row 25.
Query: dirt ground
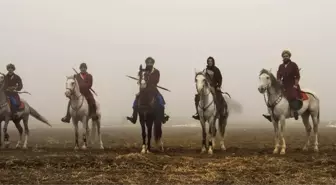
column 248, row 159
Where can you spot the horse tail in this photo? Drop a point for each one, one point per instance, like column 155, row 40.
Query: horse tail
column 38, row 116
column 157, row 130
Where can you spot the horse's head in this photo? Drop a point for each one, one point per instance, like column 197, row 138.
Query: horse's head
column 142, row 78
column 266, row 80
column 71, row 86
column 201, row 82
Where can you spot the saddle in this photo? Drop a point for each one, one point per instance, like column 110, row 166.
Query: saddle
column 19, row 108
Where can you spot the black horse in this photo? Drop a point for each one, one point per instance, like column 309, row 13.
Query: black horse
column 149, row 110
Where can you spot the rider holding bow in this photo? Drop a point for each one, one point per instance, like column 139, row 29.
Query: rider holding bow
column 289, row 76
column 85, row 81
column 153, row 78
column 13, row 84
column 214, row 74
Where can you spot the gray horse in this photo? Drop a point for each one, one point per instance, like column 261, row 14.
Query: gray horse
column 79, row 111
column 5, row 115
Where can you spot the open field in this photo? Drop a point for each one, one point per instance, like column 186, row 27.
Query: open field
column 248, row 159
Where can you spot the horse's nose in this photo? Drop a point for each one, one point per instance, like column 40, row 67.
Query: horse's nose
column 261, row 89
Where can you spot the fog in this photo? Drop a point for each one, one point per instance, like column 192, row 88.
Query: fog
column 45, row 39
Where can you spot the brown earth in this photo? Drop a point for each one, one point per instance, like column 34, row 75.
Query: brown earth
column 248, row 159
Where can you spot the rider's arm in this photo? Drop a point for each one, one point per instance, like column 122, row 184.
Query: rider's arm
column 155, row 78
column 19, row 84
column 89, row 81
column 219, row 78
column 296, row 73
column 279, row 73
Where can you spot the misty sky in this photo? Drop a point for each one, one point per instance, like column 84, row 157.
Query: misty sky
column 45, row 39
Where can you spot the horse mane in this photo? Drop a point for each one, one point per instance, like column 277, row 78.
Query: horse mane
column 275, row 83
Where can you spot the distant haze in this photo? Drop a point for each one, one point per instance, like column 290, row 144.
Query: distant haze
column 45, row 39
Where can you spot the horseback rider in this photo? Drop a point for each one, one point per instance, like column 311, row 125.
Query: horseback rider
column 214, row 74
column 84, row 80
column 153, row 78
column 13, row 84
column 289, row 76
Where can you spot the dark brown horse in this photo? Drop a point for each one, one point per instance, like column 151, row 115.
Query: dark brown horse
column 149, row 113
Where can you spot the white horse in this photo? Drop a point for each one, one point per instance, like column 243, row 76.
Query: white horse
column 79, row 111
column 279, row 109
column 208, row 112
column 6, row 116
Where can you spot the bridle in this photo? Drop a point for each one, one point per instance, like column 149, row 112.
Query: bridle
column 206, row 85
column 73, row 94
column 269, row 104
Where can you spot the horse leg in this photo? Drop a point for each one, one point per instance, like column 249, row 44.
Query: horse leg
column 75, row 124
column 212, row 133
column 99, row 134
column 143, row 131
column 93, row 131
column 26, row 129
column 316, row 122
column 204, row 135
column 276, row 136
column 149, row 124
column 222, row 122
column 20, row 129
column 282, row 135
column 6, row 135
column 305, row 120
column 85, row 132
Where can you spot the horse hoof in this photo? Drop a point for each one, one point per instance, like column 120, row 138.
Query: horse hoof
column 17, row 146
column 24, row 147
column 203, row 151
column 282, row 152
column 76, row 148
column 84, row 147
column 148, row 152
column 275, row 151
column 223, row 148
column 102, row 147
column 7, row 145
column 305, row 149
column 316, row 149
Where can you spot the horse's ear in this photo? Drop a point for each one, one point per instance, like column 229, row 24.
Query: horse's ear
column 140, row 67
column 270, row 70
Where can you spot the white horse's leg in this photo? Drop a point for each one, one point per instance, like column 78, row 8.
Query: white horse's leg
column 222, row 122
column 20, row 129
column 276, row 136
column 204, row 135
column 99, row 134
column 212, row 133
column 26, row 129
column 282, row 134
column 6, row 135
column 85, row 132
column 75, row 124
column 93, row 131
column 305, row 120
column 316, row 122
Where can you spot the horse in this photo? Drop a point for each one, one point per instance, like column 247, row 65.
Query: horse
column 79, row 111
column 6, row 116
column 279, row 109
column 208, row 112
column 148, row 111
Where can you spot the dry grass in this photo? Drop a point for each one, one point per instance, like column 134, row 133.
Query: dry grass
column 51, row 159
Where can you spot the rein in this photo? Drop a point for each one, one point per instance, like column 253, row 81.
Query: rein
column 204, row 108
column 76, row 98
column 269, row 104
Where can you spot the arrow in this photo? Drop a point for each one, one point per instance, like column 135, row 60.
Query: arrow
column 156, row 86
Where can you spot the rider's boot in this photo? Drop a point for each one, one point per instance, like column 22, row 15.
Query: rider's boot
column 196, row 116
column 67, row 117
column 268, row 117
column 134, row 116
